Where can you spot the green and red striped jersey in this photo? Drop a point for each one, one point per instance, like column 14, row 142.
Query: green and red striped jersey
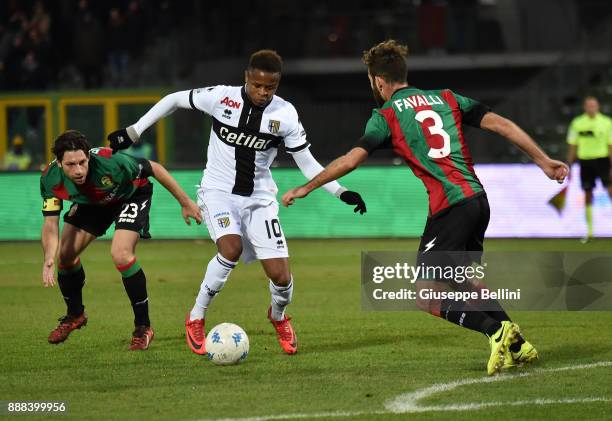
column 111, row 178
column 425, row 128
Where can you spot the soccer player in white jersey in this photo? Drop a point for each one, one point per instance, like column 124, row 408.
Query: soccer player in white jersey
column 237, row 195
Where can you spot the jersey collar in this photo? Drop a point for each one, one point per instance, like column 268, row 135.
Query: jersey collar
column 402, row 89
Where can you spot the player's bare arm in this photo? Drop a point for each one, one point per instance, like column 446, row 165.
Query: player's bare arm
column 336, row 169
column 50, row 244
column 555, row 170
column 188, row 208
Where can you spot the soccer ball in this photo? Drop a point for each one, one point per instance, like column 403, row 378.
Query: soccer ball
column 227, row 344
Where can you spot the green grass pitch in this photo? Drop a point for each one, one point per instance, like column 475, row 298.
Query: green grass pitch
column 350, row 363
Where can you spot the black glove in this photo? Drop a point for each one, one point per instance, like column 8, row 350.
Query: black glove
column 354, row 198
column 122, row 138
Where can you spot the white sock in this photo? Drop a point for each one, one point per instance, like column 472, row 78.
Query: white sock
column 281, row 297
column 217, row 272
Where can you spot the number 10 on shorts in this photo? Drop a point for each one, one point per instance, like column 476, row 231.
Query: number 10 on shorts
column 273, row 228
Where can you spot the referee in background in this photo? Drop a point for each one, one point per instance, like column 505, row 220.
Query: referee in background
column 590, row 140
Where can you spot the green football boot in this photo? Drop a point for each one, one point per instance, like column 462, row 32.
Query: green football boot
column 527, row 354
column 508, row 361
column 500, row 342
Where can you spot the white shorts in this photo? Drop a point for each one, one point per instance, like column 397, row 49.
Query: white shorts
column 255, row 220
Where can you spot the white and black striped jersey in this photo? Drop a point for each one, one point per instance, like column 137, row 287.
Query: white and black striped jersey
column 244, row 139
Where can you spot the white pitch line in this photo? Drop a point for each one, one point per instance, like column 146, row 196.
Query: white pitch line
column 340, row 414
column 482, row 405
column 409, row 402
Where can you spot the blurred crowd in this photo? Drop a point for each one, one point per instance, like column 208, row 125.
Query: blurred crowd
column 99, row 43
column 337, row 28
column 74, row 43
column 91, row 44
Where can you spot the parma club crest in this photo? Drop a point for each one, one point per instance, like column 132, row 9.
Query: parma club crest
column 274, row 126
column 223, row 222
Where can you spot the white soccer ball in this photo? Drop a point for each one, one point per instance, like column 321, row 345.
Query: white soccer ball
column 227, row 344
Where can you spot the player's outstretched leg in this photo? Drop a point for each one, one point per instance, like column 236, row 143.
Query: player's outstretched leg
column 281, row 297
column 465, row 315
column 71, row 279
column 519, row 349
column 217, row 272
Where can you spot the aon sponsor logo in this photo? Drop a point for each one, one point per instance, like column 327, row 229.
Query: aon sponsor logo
column 230, row 103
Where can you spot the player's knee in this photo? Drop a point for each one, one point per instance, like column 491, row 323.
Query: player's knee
column 280, row 277
column 231, row 251
column 67, row 256
column 121, row 256
column 67, row 260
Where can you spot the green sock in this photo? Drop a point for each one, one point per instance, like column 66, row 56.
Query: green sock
column 589, row 219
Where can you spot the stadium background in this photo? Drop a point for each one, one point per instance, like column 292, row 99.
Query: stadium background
column 99, row 65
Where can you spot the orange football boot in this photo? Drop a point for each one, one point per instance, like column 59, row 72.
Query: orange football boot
column 195, row 336
column 68, row 323
column 285, row 333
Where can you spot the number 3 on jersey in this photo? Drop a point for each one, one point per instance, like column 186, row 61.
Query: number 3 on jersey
column 436, row 129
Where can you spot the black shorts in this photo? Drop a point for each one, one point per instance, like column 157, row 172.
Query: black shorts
column 455, row 236
column 592, row 169
column 131, row 214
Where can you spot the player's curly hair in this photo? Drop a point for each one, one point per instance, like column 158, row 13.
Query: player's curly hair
column 70, row 140
column 266, row 60
column 388, row 61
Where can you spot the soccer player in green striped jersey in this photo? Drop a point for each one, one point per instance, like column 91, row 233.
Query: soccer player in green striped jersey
column 425, row 128
column 104, row 188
